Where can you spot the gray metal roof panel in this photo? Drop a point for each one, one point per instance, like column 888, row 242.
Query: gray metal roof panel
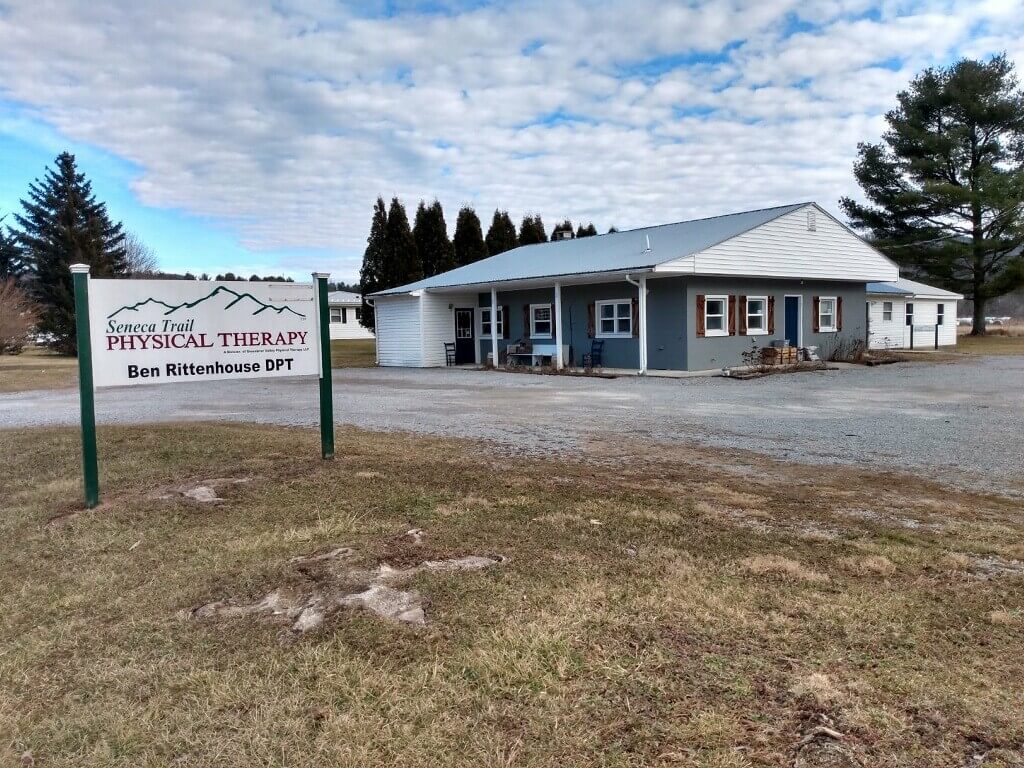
column 613, row 252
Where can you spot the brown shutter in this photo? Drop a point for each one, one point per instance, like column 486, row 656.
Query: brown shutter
column 526, row 321
column 732, row 315
column 839, row 313
column 636, row 319
column 553, row 320
column 743, row 315
column 815, row 306
column 771, row 314
column 505, row 317
column 699, row 304
column 591, row 329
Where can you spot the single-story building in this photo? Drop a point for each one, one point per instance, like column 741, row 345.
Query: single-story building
column 689, row 296
column 346, row 309
column 905, row 314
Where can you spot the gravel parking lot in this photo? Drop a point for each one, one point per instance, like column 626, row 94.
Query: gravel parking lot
column 963, row 420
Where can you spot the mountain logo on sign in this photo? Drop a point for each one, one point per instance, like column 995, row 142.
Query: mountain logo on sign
column 258, row 306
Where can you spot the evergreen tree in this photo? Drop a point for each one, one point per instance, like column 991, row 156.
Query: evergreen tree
column 565, row 226
column 588, row 231
column 532, row 231
column 431, row 235
column 612, row 229
column 12, row 262
column 371, row 274
column 64, row 224
column 401, row 260
column 945, row 189
column 469, row 238
column 501, row 236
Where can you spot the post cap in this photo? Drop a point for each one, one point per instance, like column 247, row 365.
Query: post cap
column 318, row 275
column 80, row 269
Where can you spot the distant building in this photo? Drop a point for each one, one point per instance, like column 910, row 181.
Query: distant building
column 346, row 309
column 904, row 314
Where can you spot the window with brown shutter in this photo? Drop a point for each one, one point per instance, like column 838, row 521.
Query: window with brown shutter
column 636, row 318
column 839, row 313
column 732, row 315
column 771, row 314
column 699, row 304
column 743, row 315
column 816, row 314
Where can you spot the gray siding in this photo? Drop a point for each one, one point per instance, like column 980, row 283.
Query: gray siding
column 720, row 351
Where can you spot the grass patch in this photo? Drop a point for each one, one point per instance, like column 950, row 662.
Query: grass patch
column 998, row 341
column 631, row 625
column 37, row 369
column 353, row 353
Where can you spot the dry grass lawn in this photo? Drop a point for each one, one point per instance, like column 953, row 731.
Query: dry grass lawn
column 353, row 353
column 999, row 341
column 37, row 369
column 659, row 606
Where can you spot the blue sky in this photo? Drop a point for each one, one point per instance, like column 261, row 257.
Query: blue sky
column 254, row 136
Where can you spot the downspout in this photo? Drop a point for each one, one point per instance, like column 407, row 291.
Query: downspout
column 641, row 286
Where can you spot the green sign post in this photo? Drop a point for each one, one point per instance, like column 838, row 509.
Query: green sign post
column 90, row 466
column 326, row 384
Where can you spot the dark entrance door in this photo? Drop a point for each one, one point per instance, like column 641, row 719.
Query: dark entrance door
column 465, row 344
column 793, row 320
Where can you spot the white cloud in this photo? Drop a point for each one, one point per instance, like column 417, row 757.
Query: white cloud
column 285, row 120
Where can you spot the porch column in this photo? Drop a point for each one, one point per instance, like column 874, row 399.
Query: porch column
column 557, row 318
column 642, row 309
column 494, row 325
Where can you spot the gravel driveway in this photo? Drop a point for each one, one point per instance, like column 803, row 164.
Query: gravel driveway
column 964, row 420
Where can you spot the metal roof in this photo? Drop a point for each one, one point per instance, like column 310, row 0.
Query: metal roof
column 905, row 287
column 344, row 297
column 634, row 249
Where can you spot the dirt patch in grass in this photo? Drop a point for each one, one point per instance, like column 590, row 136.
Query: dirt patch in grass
column 629, row 625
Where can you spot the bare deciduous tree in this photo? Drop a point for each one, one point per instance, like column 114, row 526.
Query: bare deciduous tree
column 139, row 257
column 18, row 316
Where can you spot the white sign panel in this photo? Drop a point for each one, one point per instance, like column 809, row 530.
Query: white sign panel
column 164, row 331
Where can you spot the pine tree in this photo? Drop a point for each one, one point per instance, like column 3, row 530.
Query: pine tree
column 469, row 238
column 12, row 262
column 371, row 274
column 565, row 226
column 401, row 259
column 64, row 224
column 588, row 231
column 501, row 236
column 431, row 235
column 532, row 231
column 945, row 188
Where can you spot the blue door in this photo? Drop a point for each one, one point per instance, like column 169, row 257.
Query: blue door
column 793, row 320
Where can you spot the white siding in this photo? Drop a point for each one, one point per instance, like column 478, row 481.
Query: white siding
column 785, row 247
column 896, row 334
column 438, row 319
column 399, row 336
column 350, row 329
column 882, row 334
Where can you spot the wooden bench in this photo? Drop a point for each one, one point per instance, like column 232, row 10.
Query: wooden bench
column 538, row 354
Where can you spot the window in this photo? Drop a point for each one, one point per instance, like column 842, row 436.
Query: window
column 909, row 316
column 940, row 314
column 485, row 322
column 886, row 311
column 344, row 315
column 359, row 314
column 715, row 308
column 826, row 314
column 756, row 310
column 540, row 321
column 335, row 314
column 614, row 318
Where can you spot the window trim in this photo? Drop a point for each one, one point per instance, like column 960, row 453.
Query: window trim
column 617, row 334
column 885, row 311
column 501, row 323
column 834, row 327
column 331, row 311
column 763, row 330
column 708, row 330
column 533, row 321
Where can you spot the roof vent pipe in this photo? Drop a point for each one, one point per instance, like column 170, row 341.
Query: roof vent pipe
column 647, row 243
